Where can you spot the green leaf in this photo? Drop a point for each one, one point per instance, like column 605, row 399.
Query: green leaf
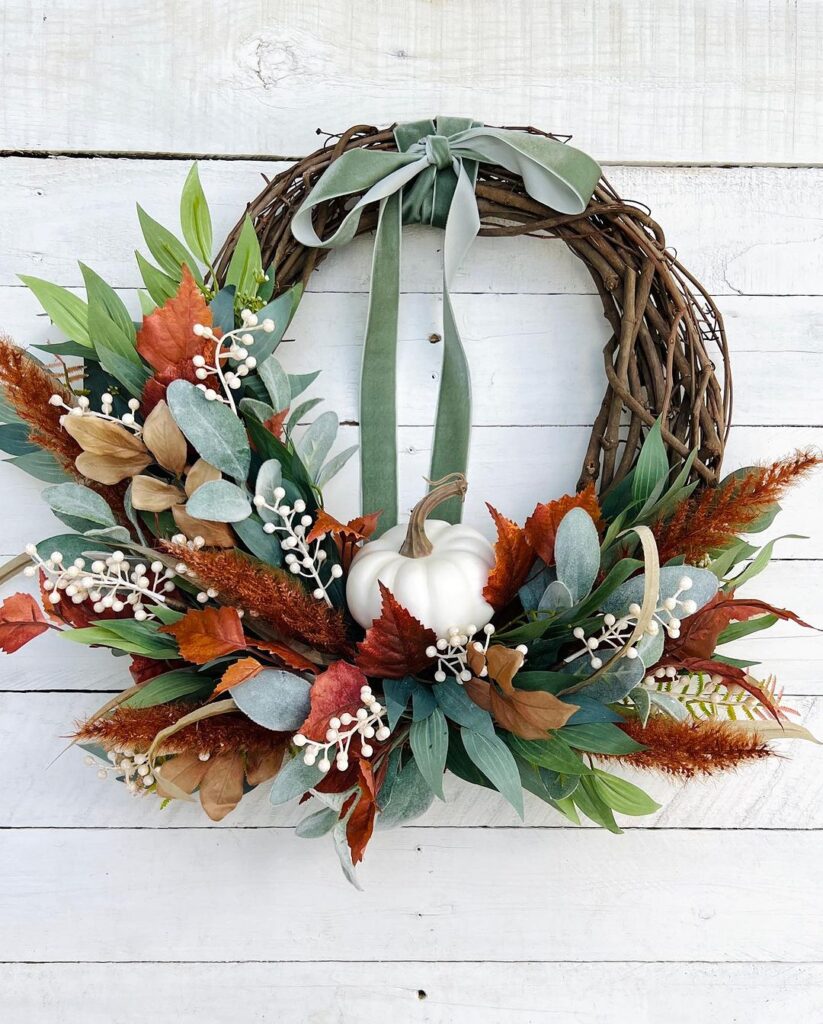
column 318, row 824
column 410, row 797
column 160, row 286
column 180, row 682
column 737, row 630
column 587, row 797
column 642, row 702
column 334, row 465
column 296, row 415
column 600, row 738
column 491, row 755
column 246, row 266
column 41, row 465
column 103, row 296
column 298, row 382
column 429, row 740
column 219, row 501
column 212, row 429
column 764, row 556
column 195, row 218
column 265, row 546
column 551, row 753
column 396, row 695
column 78, row 507
column 280, row 310
column 577, row 553
column 455, row 704
column 622, row 796
column 65, row 310
column 14, row 439
column 704, row 587
column 293, row 780
column 276, row 381
column 652, row 465
column 169, row 252
column 125, row 635
column 274, row 698
column 315, row 444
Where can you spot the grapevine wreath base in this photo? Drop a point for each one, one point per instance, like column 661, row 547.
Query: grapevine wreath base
column 353, row 664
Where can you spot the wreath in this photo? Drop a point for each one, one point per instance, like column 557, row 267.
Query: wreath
column 352, row 665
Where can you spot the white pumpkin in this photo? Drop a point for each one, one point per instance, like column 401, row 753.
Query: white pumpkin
column 435, row 569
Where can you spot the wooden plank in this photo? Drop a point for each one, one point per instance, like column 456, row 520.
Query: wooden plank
column 734, row 82
column 445, row 993
column 729, row 225
column 565, row 895
column 39, row 791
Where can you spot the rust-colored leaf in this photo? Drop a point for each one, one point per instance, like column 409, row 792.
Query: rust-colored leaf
column 730, row 674
column 529, row 714
column 185, row 771
column 284, row 653
column 541, row 526
column 21, row 620
column 335, row 691
column 395, row 644
column 512, row 559
column 276, row 424
column 205, row 635
column 346, row 536
column 238, row 672
column 167, row 336
column 221, row 788
column 264, row 764
column 360, row 826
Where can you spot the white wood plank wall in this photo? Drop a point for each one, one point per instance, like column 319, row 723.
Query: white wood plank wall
column 710, row 112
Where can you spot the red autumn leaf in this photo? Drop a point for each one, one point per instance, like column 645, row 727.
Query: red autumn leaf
column 208, row 634
column 275, row 424
column 143, row 669
column 238, row 672
column 335, row 691
column 360, row 826
column 284, row 653
column 541, row 526
column 395, row 644
column 166, row 337
column 512, row 559
column 21, row 620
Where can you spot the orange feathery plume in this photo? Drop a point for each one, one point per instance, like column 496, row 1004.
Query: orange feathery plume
column 686, row 749
column 28, row 387
column 714, row 516
column 270, row 593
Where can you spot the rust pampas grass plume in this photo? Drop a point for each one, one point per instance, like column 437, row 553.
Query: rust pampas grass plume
column 714, row 516
column 272, row 594
column 686, row 749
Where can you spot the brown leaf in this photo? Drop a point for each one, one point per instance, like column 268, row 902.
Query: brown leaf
column 284, row 653
column 185, row 771
column 275, row 424
column 221, row 788
column 152, row 495
column 238, row 672
column 167, row 336
column 498, row 663
column 335, row 691
column 216, row 535
column 360, row 826
column 541, row 526
column 512, row 559
column 729, row 674
column 21, row 620
column 201, row 472
column 529, row 714
column 205, row 635
column 164, row 439
column 264, row 765
column 395, row 644
column 346, row 535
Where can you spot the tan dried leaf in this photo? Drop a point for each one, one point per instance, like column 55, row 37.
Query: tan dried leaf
column 262, row 767
column 102, row 437
column 108, row 469
column 182, row 772
column 152, row 495
column 221, row 788
column 201, row 472
column 216, row 535
column 164, row 439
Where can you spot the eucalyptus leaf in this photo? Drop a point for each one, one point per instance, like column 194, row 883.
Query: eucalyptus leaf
column 269, row 476
column 280, row 310
column 298, row 382
column 79, row 507
column 704, row 587
column 265, row 546
column 618, row 679
column 219, row 501
column 41, row 465
column 276, row 381
column 212, row 429
column 274, row 698
column 14, row 439
column 556, row 597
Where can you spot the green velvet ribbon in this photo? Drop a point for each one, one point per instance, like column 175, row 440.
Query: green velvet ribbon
column 429, row 180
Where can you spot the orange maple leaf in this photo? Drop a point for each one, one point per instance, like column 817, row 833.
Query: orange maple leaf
column 512, row 558
column 238, row 672
column 208, row 634
column 284, row 653
column 346, row 535
column 395, row 644
column 167, row 336
column 541, row 526
column 21, row 620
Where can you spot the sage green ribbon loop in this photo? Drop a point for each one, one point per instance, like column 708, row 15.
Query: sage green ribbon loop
column 429, row 180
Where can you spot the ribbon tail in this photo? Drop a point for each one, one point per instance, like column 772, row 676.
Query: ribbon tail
column 452, row 429
column 378, row 378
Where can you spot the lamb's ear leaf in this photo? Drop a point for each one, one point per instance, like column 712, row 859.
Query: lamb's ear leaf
column 577, row 553
column 318, row 824
column 316, row 442
column 410, row 797
column 276, row 380
column 334, row 465
column 212, row 429
column 79, row 507
column 293, row 780
column 219, row 501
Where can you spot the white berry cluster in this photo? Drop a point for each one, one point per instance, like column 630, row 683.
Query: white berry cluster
column 615, row 632
column 133, row 767
column 303, row 558
column 452, row 651
column 110, row 583
column 239, row 342
column 83, row 408
column 367, row 723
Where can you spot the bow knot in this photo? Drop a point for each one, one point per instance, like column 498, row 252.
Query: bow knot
column 429, row 180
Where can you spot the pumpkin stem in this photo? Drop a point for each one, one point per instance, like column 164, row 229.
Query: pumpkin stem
column 417, row 544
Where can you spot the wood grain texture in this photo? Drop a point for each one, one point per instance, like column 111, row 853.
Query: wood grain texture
column 411, row 993
column 735, row 81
